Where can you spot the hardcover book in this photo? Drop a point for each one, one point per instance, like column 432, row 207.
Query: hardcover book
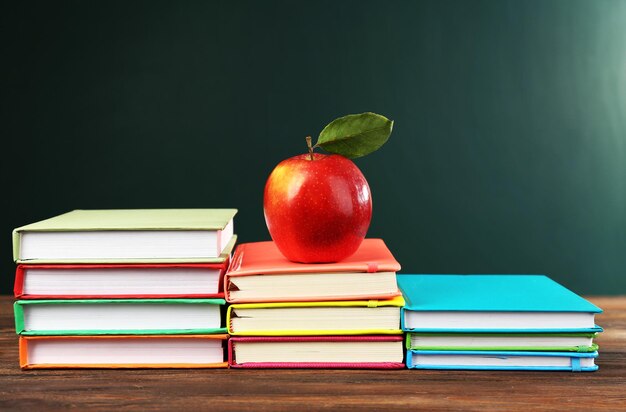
column 560, row 342
column 502, row 360
column 260, row 273
column 315, row 318
column 328, row 352
column 493, row 303
column 173, row 280
column 128, row 236
column 118, row 316
column 172, row 351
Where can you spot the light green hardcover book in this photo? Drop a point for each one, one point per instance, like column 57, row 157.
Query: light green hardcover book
column 561, row 342
column 118, row 316
column 128, row 236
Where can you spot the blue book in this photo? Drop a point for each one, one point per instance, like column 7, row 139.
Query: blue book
column 493, row 304
column 500, row 360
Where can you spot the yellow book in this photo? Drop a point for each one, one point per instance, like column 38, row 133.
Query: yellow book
column 359, row 317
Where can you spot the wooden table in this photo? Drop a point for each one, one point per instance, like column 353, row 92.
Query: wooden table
column 317, row 390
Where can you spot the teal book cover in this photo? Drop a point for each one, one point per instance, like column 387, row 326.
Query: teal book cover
column 529, row 303
column 501, row 360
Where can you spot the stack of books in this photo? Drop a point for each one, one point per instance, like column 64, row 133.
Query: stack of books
column 496, row 322
column 123, row 288
column 329, row 315
column 146, row 288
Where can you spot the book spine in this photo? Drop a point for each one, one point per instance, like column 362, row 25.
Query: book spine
column 16, row 245
column 230, row 353
column 235, row 262
column 409, row 359
column 18, row 286
column 18, row 311
column 229, row 322
column 23, row 351
column 227, row 288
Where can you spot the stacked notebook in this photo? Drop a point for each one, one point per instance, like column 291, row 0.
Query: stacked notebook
column 123, row 288
column 295, row 315
column 496, row 322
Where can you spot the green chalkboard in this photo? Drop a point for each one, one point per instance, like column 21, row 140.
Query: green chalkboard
column 509, row 147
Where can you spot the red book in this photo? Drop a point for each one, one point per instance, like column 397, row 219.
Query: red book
column 260, row 273
column 94, row 281
column 320, row 352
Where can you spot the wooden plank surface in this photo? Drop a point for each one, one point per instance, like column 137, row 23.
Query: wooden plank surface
column 276, row 390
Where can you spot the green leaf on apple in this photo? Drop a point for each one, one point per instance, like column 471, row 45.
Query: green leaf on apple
column 355, row 135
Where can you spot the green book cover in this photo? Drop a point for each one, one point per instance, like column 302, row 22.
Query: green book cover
column 132, row 220
column 508, row 342
column 20, row 305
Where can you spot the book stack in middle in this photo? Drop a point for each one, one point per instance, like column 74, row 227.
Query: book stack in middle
column 299, row 315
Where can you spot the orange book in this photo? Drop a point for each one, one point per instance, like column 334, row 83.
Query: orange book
column 260, row 273
column 123, row 351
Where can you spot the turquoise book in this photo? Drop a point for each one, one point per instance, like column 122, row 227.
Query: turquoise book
column 493, row 304
column 501, row 360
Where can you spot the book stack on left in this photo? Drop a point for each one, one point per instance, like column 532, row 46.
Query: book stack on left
column 123, row 288
column 314, row 315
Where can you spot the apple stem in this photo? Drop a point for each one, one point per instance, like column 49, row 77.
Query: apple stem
column 308, row 143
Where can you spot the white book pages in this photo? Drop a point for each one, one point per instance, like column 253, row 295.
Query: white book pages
column 120, row 316
column 497, row 320
column 497, row 360
column 315, row 318
column 317, row 285
column 469, row 341
column 163, row 351
column 124, row 244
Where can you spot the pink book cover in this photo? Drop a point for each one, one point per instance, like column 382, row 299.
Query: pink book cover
column 232, row 352
column 264, row 258
column 22, row 271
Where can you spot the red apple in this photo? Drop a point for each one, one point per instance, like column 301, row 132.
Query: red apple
column 317, row 207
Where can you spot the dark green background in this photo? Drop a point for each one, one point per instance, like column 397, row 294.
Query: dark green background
column 508, row 153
